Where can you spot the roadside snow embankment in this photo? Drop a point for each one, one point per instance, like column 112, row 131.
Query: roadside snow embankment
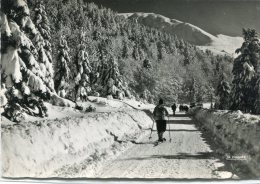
column 240, row 133
column 48, row 148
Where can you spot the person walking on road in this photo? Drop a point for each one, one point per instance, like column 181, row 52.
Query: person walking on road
column 174, row 108
column 160, row 113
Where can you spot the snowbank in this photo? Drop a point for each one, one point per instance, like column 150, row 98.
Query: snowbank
column 240, row 133
column 50, row 148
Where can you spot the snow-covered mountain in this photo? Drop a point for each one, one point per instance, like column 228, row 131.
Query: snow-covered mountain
column 219, row 44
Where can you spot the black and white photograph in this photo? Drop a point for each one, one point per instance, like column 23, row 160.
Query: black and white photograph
column 130, row 90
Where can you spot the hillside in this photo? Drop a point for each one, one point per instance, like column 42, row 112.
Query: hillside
column 174, row 62
column 226, row 17
column 220, row 44
column 75, row 49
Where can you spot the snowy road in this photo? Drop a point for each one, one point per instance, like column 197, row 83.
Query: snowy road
column 188, row 155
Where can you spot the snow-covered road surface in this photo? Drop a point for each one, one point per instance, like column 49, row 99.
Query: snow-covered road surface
column 188, row 155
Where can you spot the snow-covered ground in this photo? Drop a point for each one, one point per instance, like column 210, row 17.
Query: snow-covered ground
column 240, row 133
column 111, row 142
column 50, row 147
column 187, row 156
column 223, row 44
column 109, row 145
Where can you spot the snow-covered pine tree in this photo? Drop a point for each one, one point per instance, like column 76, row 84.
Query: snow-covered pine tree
column 254, row 48
column 84, row 70
column 62, row 69
column 21, row 73
column 223, row 93
column 193, row 91
column 256, row 109
column 136, row 55
column 161, row 50
column 42, row 21
column 242, row 93
column 125, row 51
column 111, row 79
column 42, row 43
column 245, row 69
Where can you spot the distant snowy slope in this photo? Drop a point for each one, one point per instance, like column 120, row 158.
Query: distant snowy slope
column 186, row 31
column 220, row 44
column 224, row 44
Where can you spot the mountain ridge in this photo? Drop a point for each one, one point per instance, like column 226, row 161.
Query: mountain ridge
column 218, row 44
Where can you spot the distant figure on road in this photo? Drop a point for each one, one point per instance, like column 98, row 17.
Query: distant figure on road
column 174, row 108
column 184, row 108
column 160, row 114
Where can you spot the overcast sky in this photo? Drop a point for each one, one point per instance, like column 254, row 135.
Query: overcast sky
column 214, row 16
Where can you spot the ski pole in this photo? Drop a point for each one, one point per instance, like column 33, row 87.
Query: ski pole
column 170, row 139
column 151, row 130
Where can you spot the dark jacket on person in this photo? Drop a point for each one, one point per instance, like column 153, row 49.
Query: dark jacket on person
column 160, row 112
column 174, row 107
